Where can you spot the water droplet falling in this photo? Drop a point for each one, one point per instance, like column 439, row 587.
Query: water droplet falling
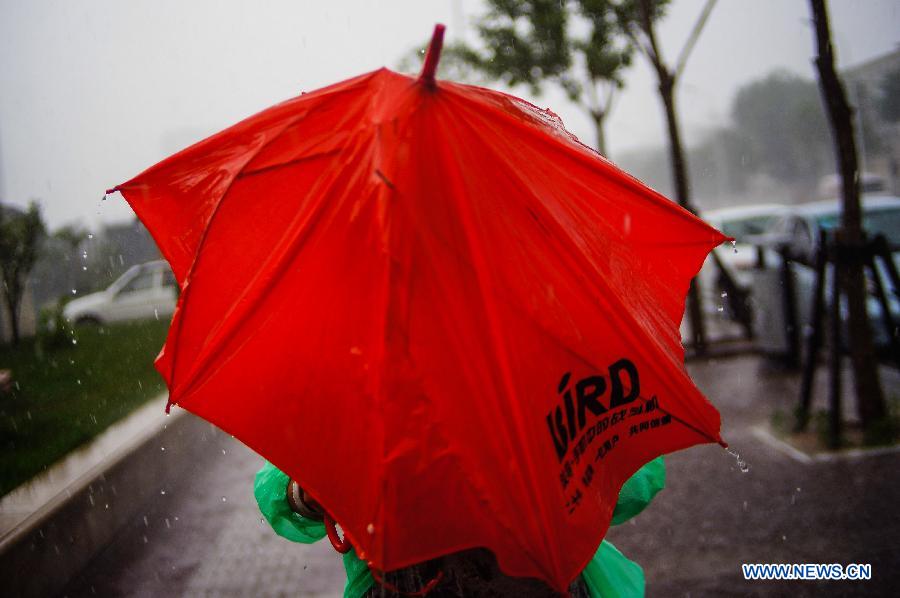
column 742, row 465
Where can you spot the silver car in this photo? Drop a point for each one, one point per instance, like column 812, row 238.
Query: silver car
column 144, row 291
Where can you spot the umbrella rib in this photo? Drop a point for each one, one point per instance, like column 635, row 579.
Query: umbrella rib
column 200, row 244
column 480, row 269
column 627, row 325
column 211, row 348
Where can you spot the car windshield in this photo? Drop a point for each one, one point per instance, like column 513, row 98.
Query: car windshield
column 876, row 222
column 745, row 226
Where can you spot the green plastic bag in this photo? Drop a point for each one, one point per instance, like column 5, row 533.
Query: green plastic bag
column 609, row 574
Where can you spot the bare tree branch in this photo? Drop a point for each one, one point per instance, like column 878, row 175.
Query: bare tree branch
column 692, row 38
column 655, row 55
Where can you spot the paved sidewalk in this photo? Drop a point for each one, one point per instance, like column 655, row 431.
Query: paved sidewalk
column 205, row 537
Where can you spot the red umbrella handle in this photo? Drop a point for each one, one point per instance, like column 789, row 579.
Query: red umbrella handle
column 341, row 545
column 421, row 592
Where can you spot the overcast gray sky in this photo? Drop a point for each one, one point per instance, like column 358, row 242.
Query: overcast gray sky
column 95, row 91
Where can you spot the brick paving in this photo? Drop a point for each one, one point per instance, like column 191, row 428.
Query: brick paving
column 691, row 540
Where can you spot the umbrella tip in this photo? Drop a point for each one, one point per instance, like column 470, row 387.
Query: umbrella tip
column 433, row 56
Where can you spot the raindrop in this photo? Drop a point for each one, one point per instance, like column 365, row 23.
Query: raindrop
column 90, row 235
column 740, row 462
column 28, row 414
column 224, row 499
column 745, row 506
column 223, row 451
column 74, row 342
column 79, row 380
column 370, row 528
column 724, row 294
column 720, row 308
column 176, row 519
column 91, row 498
column 56, row 548
column 169, row 525
column 106, row 506
column 156, row 313
column 163, row 492
column 793, row 499
column 783, row 538
column 74, row 291
column 145, row 539
column 84, row 268
column 162, row 448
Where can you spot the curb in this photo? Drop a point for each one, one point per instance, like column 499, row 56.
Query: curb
column 52, row 545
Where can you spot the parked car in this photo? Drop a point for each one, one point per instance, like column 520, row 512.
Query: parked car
column 739, row 222
column 798, row 230
column 144, row 291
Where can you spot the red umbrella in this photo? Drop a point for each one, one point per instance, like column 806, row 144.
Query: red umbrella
column 429, row 304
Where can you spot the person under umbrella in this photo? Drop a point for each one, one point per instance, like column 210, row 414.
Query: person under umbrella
column 294, row 515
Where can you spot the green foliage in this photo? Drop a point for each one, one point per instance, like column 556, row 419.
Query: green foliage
column 65, row 395
column 53, row 330
column 20, row 238
column 577, row 45
column 889, row 102
column 782, row 121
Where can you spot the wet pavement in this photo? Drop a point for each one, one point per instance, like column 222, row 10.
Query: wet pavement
column 205, row 536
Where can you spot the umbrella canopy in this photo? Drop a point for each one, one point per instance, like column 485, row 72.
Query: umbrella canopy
column 451, row 322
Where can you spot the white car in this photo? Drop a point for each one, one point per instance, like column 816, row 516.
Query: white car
column 739, row 222
column 799, row 229
column 143, row 291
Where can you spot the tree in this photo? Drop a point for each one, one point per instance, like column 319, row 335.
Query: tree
column 782, row 121
column 573, row 44
column 20, row 237
column 637, row 19
column 889, row 100
column 849, row 236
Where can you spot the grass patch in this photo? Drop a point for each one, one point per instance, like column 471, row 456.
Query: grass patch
column 66, row 394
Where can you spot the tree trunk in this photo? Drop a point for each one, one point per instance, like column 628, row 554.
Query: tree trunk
column 849, row 265
column 12, row 309
column 678, row 161
column 599, row 118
